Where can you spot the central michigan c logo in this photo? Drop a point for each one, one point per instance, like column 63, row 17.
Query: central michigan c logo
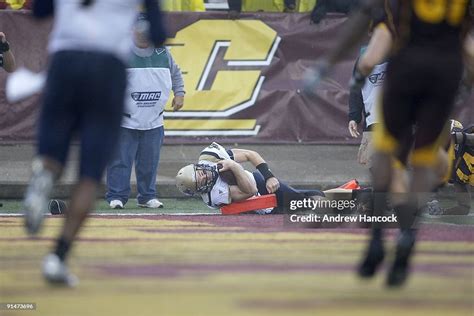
column 221, row 62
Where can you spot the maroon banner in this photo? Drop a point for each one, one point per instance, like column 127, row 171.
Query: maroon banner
column 243, row 78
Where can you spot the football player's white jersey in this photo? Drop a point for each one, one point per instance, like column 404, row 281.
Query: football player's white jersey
column 220, row 193
column 105, row 26
column 215, row 152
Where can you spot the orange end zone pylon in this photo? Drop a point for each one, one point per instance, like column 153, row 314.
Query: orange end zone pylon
column 251, row 204
column 351, row 185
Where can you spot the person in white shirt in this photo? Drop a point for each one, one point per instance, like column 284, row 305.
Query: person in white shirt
column 152, row 74
column 362, row 103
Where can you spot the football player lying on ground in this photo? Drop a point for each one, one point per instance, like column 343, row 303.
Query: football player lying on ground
column 460, row 153
column 220, row 180
column 453, row 164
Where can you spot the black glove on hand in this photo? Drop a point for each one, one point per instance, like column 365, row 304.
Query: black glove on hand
column 4, row 47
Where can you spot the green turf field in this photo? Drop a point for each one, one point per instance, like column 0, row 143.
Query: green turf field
column 152, row 264
column 195, row 206
column 185, row 205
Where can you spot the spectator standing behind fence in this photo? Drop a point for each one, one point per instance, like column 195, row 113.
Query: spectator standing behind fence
column 363, row 101
column 151, row 76
column 7, row 60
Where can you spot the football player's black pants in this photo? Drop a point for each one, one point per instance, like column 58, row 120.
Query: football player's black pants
column 285, row 193
column 83, row 97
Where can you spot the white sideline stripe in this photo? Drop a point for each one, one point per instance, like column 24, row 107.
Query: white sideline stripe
column 122, row 214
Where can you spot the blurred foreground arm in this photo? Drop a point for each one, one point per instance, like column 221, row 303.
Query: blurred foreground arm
column 352, row 33
column 157, row 29
column 377, row 51
column 354, row 30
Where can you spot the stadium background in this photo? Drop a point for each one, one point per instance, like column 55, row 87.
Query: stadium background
column 243, row 79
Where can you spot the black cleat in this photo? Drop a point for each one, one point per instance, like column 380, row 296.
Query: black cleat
column 399, row 271
column 373, row 259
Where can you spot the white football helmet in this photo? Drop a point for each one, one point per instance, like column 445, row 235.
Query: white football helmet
column 196, row 178
column 456, row 126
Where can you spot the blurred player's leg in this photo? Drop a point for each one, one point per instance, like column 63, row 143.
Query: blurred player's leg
column 381, row 168
column 56, row 271
column 437, row 81
column 83, row 199
column 390, row 138
column 37, row 194
column 56, row 124
column 99, row 125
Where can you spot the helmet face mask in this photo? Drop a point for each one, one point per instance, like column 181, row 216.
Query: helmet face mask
column 196, row 178
column 206, row 177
